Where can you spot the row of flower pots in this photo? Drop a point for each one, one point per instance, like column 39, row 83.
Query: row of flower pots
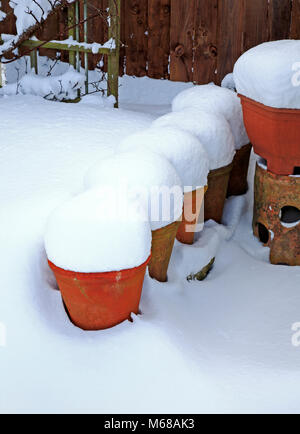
column 97, row 301
column 201, row 156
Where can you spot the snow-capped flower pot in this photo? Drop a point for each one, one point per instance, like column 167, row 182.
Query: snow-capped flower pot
column 187, row 154
column 215, row 196
column 238, row 181
column 96, row 301
column 162, row 246
column 274, row 133
column 87, row 241
column 192, row 204
column 154, row 181
column 267, row 81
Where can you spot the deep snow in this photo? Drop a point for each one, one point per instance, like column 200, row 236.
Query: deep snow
column 182, row 149
column 223, row 345
column 144, row 176
column 270, row 74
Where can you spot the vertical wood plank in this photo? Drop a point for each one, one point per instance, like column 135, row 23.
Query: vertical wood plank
column 136, row 39
column 280, row 19
column 181, row 39
column 113, row 58
column 8, row 25
column 230, row 35
column 158, row 38
column 295, row 21
column 205, row 41
column 256, row 23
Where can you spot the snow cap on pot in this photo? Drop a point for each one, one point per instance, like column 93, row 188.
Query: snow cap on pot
column 93, row 232
column 183, row 150
column 212, row 130
column 269, row 74
column 216, row 100
column 145, row 175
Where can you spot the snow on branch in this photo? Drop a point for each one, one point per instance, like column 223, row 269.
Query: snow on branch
column 58, row 88
column 30, row 15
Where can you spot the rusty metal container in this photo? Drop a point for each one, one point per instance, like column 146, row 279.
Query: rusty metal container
column 276, row 217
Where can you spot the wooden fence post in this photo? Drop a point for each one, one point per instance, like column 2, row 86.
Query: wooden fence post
column 2, row 75
column 72, row 33
column 34, row 61
column 113, row 58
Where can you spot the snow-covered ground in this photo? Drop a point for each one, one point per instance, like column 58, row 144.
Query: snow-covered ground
column 222, row 345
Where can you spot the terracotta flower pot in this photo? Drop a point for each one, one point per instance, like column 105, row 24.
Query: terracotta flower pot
column 191, row 211
column 238, row 181
column 274, row 134
column 97, row 301
column 215, row 196
column 162, row 246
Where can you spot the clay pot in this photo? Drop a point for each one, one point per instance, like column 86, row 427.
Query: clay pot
column 162, row 246
column 274, row 134
column 238, row 181
column 215, row 196
column 192, row 205
column 97, row 301
column 276, row 217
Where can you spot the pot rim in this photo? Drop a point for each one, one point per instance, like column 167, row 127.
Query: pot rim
column 106, row 274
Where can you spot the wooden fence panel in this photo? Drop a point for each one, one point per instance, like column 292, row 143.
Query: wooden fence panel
column 158, row 38
column 280, row 19
column 185, row 40
column 230, row 40
column 205, row 41
column 181, row 40
column 256, row 23
column 136, row 39
column 295, row 20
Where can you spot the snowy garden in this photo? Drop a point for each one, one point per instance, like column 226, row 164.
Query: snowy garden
column 150, row 230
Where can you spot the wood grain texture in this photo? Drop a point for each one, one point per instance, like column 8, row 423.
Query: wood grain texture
column 159, row 20
column 295, row 20
column 191, row 39
column 181, row 40
column 256, row 23
column 280, row 19
column 230, row 35
column 136, row 39
column 205, row 41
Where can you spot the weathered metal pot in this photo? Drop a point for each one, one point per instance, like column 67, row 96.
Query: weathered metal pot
column 276, row 217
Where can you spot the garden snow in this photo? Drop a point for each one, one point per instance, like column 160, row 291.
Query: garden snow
column 212, row 130
column 92, row 233
column 145, row 175
column 216, row 100
column 61, row 87
column 181, row 148
column 270, row 74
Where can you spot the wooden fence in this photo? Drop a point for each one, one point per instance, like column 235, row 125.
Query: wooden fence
column 186, row 40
